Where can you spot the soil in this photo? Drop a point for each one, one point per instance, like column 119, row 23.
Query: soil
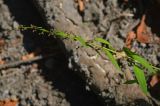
column 47, row 82
column 53, row 80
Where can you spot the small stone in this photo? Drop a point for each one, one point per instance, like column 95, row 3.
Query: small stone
column 32, row 70
column 15, row 25
column 64, row 103
column 42, row 94
column 116, row 42
column 87, row 88
column 158, row 55
column 143, row 45
column 154, row 59
column 14, row 98
column 23, row 103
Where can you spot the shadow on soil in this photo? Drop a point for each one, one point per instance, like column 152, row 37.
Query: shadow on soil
column 62, row 78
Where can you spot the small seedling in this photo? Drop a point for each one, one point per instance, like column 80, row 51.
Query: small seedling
column 110, row 52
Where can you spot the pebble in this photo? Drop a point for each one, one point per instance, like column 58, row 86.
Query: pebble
column 14, row 98
column 23, row 103
column 15, row 25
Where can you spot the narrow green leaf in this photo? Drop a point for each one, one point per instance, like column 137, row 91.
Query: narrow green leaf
column 81, row 40
column 111, row 58
column 140, row 60
column 131, row 82
column 140, row 78
column 101, row 40
column 61, row 34
column 128, row 52
column 144, row 62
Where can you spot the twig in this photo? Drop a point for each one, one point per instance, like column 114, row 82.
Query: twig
column 20, row 62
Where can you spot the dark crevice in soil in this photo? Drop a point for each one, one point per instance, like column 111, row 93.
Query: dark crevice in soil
column 61, row 77
column 24, row 13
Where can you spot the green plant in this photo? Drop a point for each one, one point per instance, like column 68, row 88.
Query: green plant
column 110, row 52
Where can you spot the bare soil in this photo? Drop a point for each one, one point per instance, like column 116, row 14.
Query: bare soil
column 69, row 77
column 47, row 82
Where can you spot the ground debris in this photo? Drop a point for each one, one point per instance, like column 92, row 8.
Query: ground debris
column 9, row 103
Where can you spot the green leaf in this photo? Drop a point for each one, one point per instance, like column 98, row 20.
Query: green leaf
column 81, row 40
column 61, row 34
column 131, row 82
column 140, row 78
column 144, row 62
column 140, row 60
column 111, row 58
column 101, row 40
column 128, row 52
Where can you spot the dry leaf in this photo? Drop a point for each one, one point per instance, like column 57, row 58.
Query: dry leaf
column 131, row 36
column 154, row 80
column 8, row 103
column 2, row 62
column 81, row 5
column 28, row 56
column 2, row 42
column 142, row 35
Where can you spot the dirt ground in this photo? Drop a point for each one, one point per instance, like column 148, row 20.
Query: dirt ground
column 48, row 81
